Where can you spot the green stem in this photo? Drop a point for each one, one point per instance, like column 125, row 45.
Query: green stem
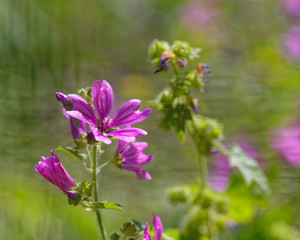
column 97, row 212
column 202, row 159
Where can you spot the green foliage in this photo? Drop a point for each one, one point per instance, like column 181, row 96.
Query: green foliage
column 157, row 47
column 101, row 205
column 129, row 229
column 248, row 167
column 85, row 188
column 171, row 234
column 179, row 194
column 205, row 132
column 184, row 50
column 75, row 152
column 114, row 236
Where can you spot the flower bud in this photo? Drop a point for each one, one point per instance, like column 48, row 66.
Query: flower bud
column 179, row 194
column 129, row 229
column 157, row 47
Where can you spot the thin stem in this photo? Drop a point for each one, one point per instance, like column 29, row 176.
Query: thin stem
column 103, row 165
column 97, row 212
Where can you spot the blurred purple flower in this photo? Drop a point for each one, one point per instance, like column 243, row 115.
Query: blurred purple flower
column 291, row 44
column 196, row 16
column 158, row 229
column 286, row 141
column 101, row 125
column 132, row 156
column 292, row 7
column 221, row 171
column 53, row 171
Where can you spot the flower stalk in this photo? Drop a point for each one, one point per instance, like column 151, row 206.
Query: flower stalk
column 96, row 194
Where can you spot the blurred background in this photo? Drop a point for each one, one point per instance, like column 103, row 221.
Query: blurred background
column 253, row 49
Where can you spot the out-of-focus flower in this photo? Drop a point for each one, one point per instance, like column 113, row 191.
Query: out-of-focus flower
column 53, row 171
column 181, row 62
column 292, row 7
column 130, row 156
column 291, row 44
column 164, row 61
column 101, row 125
column 158, row 229
column 195, row 16
column 203, row 70
column 286, row 141
column 221, row 171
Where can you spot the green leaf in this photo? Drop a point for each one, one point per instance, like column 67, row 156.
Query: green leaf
column 103, row 205
column 248, row 167
column 73, row 152
column 138, row 225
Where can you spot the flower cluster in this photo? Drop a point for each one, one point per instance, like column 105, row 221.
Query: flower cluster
column 104, row 128
column 101, row 125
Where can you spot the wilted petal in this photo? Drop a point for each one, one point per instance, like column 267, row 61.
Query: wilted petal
column 158, row 227
column 141, row 173
column 129, row 114
column 82, row 110
column 103, row 98
column 99, row 136
column 128, row 134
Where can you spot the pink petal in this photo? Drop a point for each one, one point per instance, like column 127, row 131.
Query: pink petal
column 127, row 134
column 82, row 110
column 129, row 114
column 141, row 173
column 103, row 98
column 158, row 227
column 99, row 136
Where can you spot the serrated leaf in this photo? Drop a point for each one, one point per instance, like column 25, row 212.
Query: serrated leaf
column 248, row 167
column 105, row 205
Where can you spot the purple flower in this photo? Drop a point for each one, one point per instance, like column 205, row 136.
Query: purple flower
column 291, row 44
column 286, row 141
column 292, row 7
column 221, row 170
column 53, row 171
column 196, row 16
column 158, row 229
column 76, row 129
column 132, row 156
column 103, row 126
